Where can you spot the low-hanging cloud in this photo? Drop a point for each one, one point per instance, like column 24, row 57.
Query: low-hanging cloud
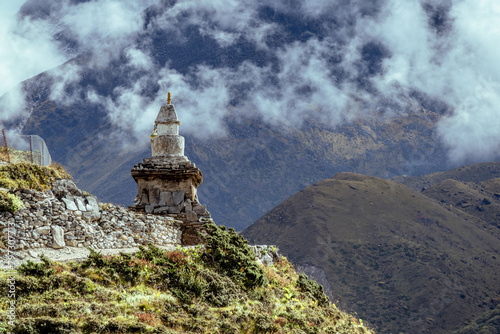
column 29, row 45
column 354, row 59
column 26, row 49
column 457, row 64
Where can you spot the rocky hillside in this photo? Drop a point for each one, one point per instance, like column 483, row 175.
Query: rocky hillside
column 219, row 289
column 470, row 190
column 224, row 286
column 424, row 266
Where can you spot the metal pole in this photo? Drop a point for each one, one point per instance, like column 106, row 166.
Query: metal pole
column 6, row 146
column 31, row 151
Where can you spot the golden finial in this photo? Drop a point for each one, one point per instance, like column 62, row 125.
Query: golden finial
column 154, row 134
column 169, row 98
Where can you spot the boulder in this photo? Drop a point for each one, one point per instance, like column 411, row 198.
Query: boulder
column 200, row 210
column 191, row 215
column 72, row 243
column 44, row 230
column 161, row 209
column 93, row 207
column 80, row 204
column 64, row 188
column 178, row 197
column 70, row 204
column 174, row 209
column 267, row 260
column 58, row 237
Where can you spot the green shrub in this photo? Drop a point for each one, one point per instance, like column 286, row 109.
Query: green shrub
column 230, row 255
column 31, row 176
column 42, row 325
column 263, row 322
column 314, row 290
column 10, row 202
column 220, row 291
column 41, row 269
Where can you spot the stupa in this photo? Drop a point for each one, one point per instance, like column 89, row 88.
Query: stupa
column 167, row 182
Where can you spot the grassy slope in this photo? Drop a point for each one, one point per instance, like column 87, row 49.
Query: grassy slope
column 470, row 190
column 220, row 290
column 31, row 176
column 487, row 323
column 473, row 173
column 470, row 198
column 393, row 255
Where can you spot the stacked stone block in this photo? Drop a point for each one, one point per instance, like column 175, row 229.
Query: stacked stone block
column 81, row 221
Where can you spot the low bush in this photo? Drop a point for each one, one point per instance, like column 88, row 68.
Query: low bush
column 313, row 289
column 10, row 202
column 230, row 255
column 37, row 269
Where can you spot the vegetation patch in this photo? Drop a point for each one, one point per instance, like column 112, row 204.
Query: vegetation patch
column 231, row 255
column 313, row 289
column 31, row 176
column 195, row 290
column 10, row 202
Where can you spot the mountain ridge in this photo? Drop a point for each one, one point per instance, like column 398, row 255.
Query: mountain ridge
column 416, row 259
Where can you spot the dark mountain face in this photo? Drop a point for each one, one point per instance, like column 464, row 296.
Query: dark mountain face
column 400, row 259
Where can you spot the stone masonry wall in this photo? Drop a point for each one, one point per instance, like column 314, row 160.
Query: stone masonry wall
column 66, row 216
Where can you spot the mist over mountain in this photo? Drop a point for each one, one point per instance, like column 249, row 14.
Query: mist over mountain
column 342, row 81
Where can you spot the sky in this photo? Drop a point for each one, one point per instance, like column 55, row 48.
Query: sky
column 333, row 60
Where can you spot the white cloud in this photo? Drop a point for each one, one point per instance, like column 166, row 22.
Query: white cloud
column 472, row 132
column 139, row 59
column 104, row 26
column 26, row 49
column 450, row 66
column 12, row 105
column 27, row 45
column 457, row 65
column 203, row 105
column 304, row 83
column 223, row 20
column 63, row 76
